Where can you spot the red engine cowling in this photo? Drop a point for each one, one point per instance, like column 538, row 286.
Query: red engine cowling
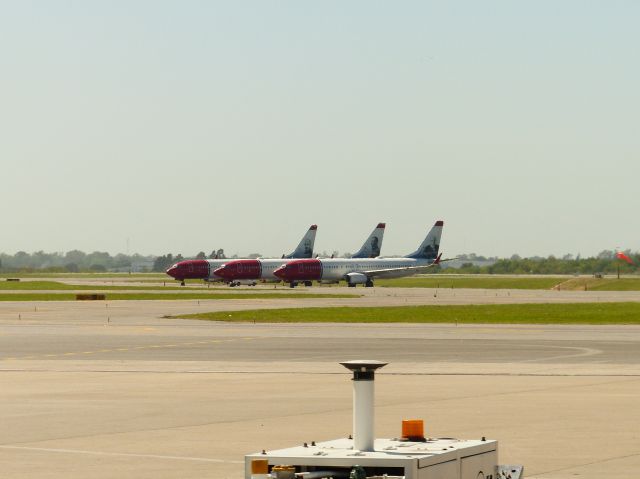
column 240, row 269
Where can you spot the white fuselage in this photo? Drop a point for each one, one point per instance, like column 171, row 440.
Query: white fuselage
column 213, row 265
column 269, row 266
column 337, row 268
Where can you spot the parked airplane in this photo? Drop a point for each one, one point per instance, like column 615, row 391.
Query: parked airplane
column 204, row 268
column 247, row 270
column 364, row 271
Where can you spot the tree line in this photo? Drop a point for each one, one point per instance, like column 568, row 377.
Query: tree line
column 604, row 262
column 72, row 262
column 97, row 261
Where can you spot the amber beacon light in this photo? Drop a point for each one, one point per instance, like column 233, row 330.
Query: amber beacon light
column 413, row 429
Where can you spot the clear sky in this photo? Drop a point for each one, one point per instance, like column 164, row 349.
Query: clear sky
column 193, row 125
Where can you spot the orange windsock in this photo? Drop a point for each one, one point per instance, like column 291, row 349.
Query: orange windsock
column 624, row 257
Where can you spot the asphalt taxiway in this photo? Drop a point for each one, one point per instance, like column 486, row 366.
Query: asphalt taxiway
column 117, row 390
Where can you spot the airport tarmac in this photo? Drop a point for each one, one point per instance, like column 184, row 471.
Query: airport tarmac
column 360, row 297
column 117, row 390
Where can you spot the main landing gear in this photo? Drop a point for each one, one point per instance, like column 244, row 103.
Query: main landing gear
column 368, row 284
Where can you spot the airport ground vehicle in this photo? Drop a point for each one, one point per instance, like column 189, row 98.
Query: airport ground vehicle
column 240, row 283
column 412, row 455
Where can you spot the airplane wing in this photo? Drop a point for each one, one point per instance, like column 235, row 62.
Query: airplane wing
column 398, row 272
column 406, row 271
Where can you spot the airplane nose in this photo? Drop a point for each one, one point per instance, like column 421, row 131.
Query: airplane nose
column 173, row 271
column 222, row 271
column 281, row 272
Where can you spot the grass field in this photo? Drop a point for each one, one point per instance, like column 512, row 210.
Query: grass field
column 166, row 296
column 43, row 274
column 55, row 285
column 474, row 282
column 603, row 284
column 567, row 283
column 594, row 313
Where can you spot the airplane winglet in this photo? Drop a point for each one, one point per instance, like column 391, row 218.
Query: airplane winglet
column 437, row 261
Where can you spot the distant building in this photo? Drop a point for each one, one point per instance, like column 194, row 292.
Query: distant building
column 142, row 266
column 459, row 262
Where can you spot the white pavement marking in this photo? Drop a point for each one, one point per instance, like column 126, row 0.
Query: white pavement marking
column 582, row 352
column 123, row 454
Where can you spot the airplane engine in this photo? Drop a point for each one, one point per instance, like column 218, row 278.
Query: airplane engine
column 356, row 278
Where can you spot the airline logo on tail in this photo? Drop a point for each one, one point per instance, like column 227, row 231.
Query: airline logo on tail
column 431, row 244
column 373, row 244
column 305, row 248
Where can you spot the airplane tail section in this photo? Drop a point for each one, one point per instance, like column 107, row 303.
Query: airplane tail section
column 373, row 244
column 305, row 248
column 431, row 244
